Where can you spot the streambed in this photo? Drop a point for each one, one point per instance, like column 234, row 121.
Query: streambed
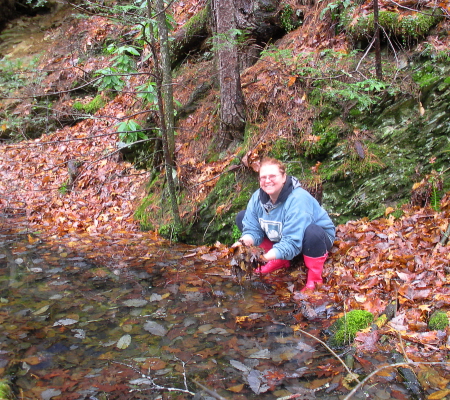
column 131, row 316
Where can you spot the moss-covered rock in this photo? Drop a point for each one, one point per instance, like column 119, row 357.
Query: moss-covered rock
column 345, row 328
column 392, row 23
column 438, row 320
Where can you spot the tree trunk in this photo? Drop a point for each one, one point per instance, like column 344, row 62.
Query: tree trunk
column 162, row 102
column 232, row 106
column 167, row 84
column 378, row 67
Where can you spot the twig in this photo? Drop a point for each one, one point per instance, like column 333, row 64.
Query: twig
column 363, row 382
column 209, row 391
column 329, row 349
column 365, row 54
column 152, row 385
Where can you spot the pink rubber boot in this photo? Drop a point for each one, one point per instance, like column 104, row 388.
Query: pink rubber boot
column 272, row 265
column 315, row 269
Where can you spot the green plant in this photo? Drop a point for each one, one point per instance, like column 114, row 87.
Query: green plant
column 170, row 231
column 345, row 328
column 64, row 188
column 337, row 11
column 130, row 131
column 15, row 74
column 288, row 19
column 279, row 55
column 37, row 3
column 236, row 233
column 111, row 78
column 123, row 59
column 148, row 93
column 438, row 320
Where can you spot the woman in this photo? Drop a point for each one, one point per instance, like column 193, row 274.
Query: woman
column 285, row 220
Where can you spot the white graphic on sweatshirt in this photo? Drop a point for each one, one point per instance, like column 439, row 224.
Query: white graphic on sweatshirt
column 272, row 229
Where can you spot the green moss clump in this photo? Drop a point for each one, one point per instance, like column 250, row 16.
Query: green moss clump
column 5, row 391
column 438, row 321
column 92, row 107
column 345, row 328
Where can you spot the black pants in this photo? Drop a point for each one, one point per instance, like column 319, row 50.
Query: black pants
column 315, row 240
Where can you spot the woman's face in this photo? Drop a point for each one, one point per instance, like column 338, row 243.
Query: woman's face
column 271, row 180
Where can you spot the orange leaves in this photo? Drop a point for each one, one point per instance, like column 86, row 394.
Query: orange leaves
column 253, row 157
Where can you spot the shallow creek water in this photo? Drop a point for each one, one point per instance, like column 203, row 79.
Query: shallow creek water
column 112, row 318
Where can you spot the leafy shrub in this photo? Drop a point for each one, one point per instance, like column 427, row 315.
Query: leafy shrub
column 148, row 92
column 111, row 78
column 130, row 131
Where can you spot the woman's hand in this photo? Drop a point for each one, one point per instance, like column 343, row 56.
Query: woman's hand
column 270, row 255
column 243, row 241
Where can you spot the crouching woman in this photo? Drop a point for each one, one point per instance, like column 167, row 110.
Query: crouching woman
column 285, row 220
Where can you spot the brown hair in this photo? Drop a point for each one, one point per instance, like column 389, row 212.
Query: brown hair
column 273, row 161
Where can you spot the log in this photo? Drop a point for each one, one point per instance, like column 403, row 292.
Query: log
column 410, row 379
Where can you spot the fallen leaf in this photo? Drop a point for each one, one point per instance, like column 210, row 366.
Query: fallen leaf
column 124, row 342
column 236, row 388
column 440, row 394
column 209, row 257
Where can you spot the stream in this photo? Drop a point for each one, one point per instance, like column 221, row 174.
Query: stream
column 132, row 316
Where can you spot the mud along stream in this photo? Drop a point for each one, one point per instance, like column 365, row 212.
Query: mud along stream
column 133, row 316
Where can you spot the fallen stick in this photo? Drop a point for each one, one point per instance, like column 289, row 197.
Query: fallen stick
column 409, row 378
column 445, row 236
column 366, row 379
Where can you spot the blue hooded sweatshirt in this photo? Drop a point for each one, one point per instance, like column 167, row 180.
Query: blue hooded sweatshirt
column 285, row 221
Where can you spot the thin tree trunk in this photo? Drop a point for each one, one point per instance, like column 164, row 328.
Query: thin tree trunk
column 232, row 106
column 378, row 66
column 167, row 88
column 168, row 156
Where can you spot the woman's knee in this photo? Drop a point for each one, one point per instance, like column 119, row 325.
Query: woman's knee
column 239, row 219
column 315, row 241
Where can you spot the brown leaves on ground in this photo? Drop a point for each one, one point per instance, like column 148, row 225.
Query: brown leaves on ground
column 376, row 262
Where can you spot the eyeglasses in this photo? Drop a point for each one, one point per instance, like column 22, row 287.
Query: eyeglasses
column 269, row 177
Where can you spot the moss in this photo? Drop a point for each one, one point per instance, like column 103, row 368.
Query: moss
column 5, row 391
column 438, row 321
column 195, row 24
column 91, row 107
column 345, row 328
column 327, row 139
column 151, row 207
column 282, row 149
column 232, row 193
